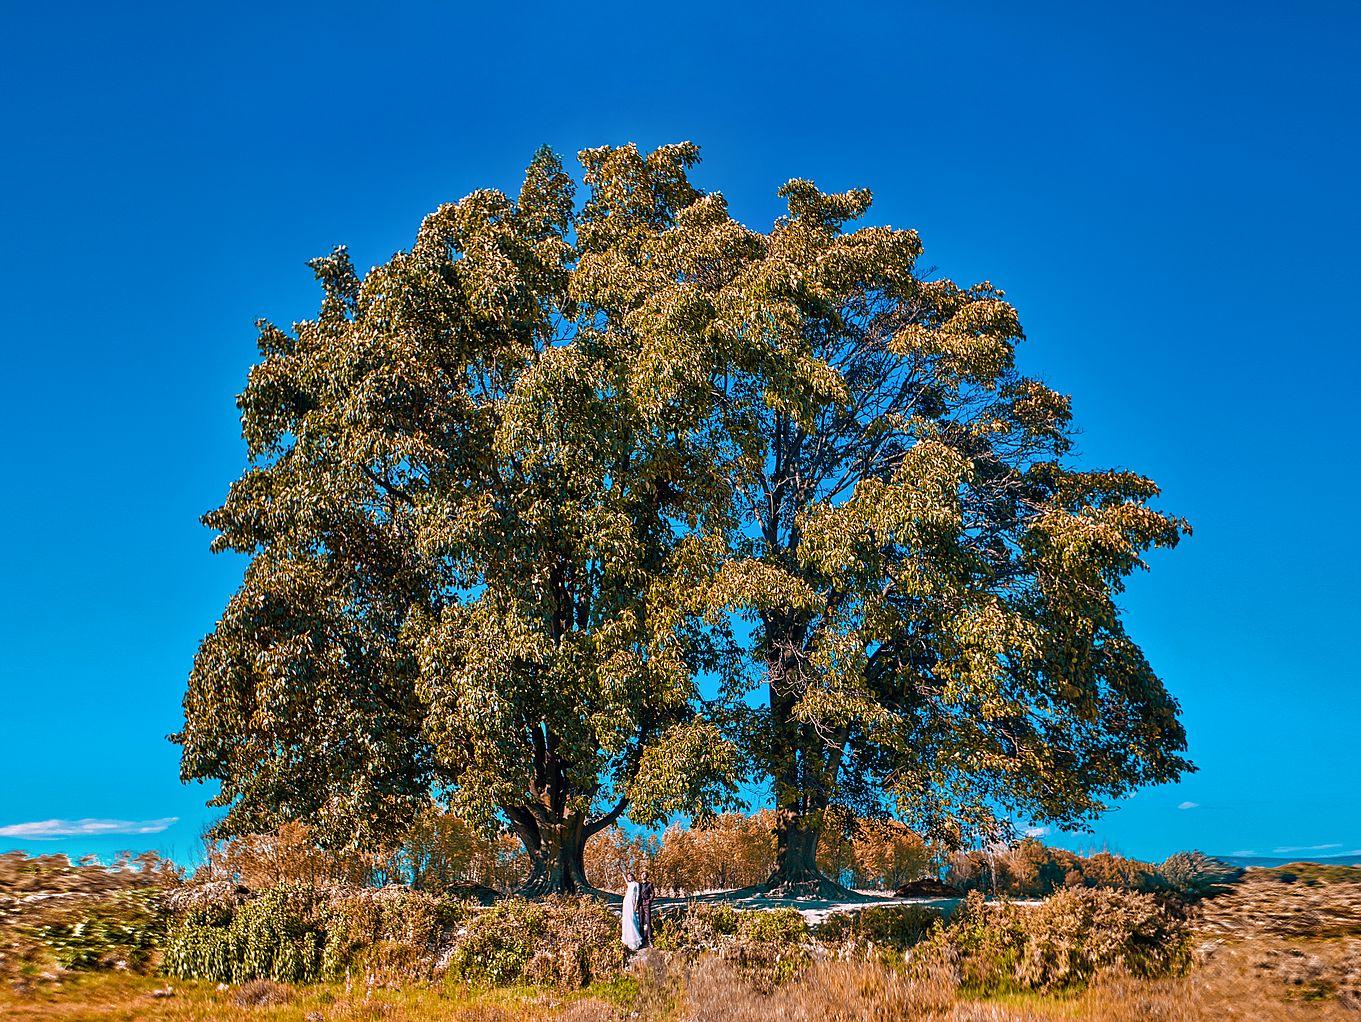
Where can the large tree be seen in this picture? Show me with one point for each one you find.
(482, 488)
(506, 491)
(930, 581)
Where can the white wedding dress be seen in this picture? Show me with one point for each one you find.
(633, 939)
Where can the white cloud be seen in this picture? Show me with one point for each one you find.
(1189, 805)
(48, 830)
(1287, 849)
(1036, 831)
(1244, 853)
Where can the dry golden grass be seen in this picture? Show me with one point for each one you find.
(1267, 951)
(1228, 988)
(1228, 984)
(119, 997)
(1264, 904)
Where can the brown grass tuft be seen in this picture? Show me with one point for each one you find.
(261, 993)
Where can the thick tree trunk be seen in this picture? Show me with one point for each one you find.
(555, 862)
(796, 860)
(556, 846)
(556, 849)
(803, 770)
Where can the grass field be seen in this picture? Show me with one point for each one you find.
(1275, 946)
(112, 997)
(1229, 983)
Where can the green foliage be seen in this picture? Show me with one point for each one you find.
(1195, 874)
(560, 942)
(1063, 942)
(483, 485)
(881, 932)
(389, 934)
(277, 936)
(82, 915)
(770, 945)
(932, 582)
(509, 490)
(126, 927)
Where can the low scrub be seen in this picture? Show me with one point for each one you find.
(560, 942)
(1278, 903)
(1066, 941)
(277, 936)
(55, 914)
(878, 933)
(769, 946)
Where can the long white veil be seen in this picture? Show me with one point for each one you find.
(632, 938)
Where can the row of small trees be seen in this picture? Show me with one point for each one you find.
(739, 851)
(444, 854)
(573, 511)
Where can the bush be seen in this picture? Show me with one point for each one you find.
(277, 936)
(561, 942)
(769, 946)
(1076, 934)
(122, 930)
(879, 932)
(1195, 874)
(54, 913)
(388, 934)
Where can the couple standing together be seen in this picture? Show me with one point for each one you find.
(637, 912)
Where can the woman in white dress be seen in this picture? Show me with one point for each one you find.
(632, 936)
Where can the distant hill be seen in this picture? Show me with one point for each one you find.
(1268, 861)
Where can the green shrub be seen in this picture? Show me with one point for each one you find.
(561, 942)
(277, 936)
(1077, 933)
(981, 947)
(392, 934)
(1195, 874)
(769, 945)
(123, 929)
(199, 952)
(696, 928)
(774, 944)
(881, 932)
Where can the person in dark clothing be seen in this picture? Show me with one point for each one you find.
(645, 909)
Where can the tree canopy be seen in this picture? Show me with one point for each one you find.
(930, 581)
(520, 496)
(479, 497)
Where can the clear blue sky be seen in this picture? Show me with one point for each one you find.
(1168, 194)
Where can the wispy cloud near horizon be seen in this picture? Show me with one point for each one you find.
(50, 830)
(1189, 805)
(1288, 849)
